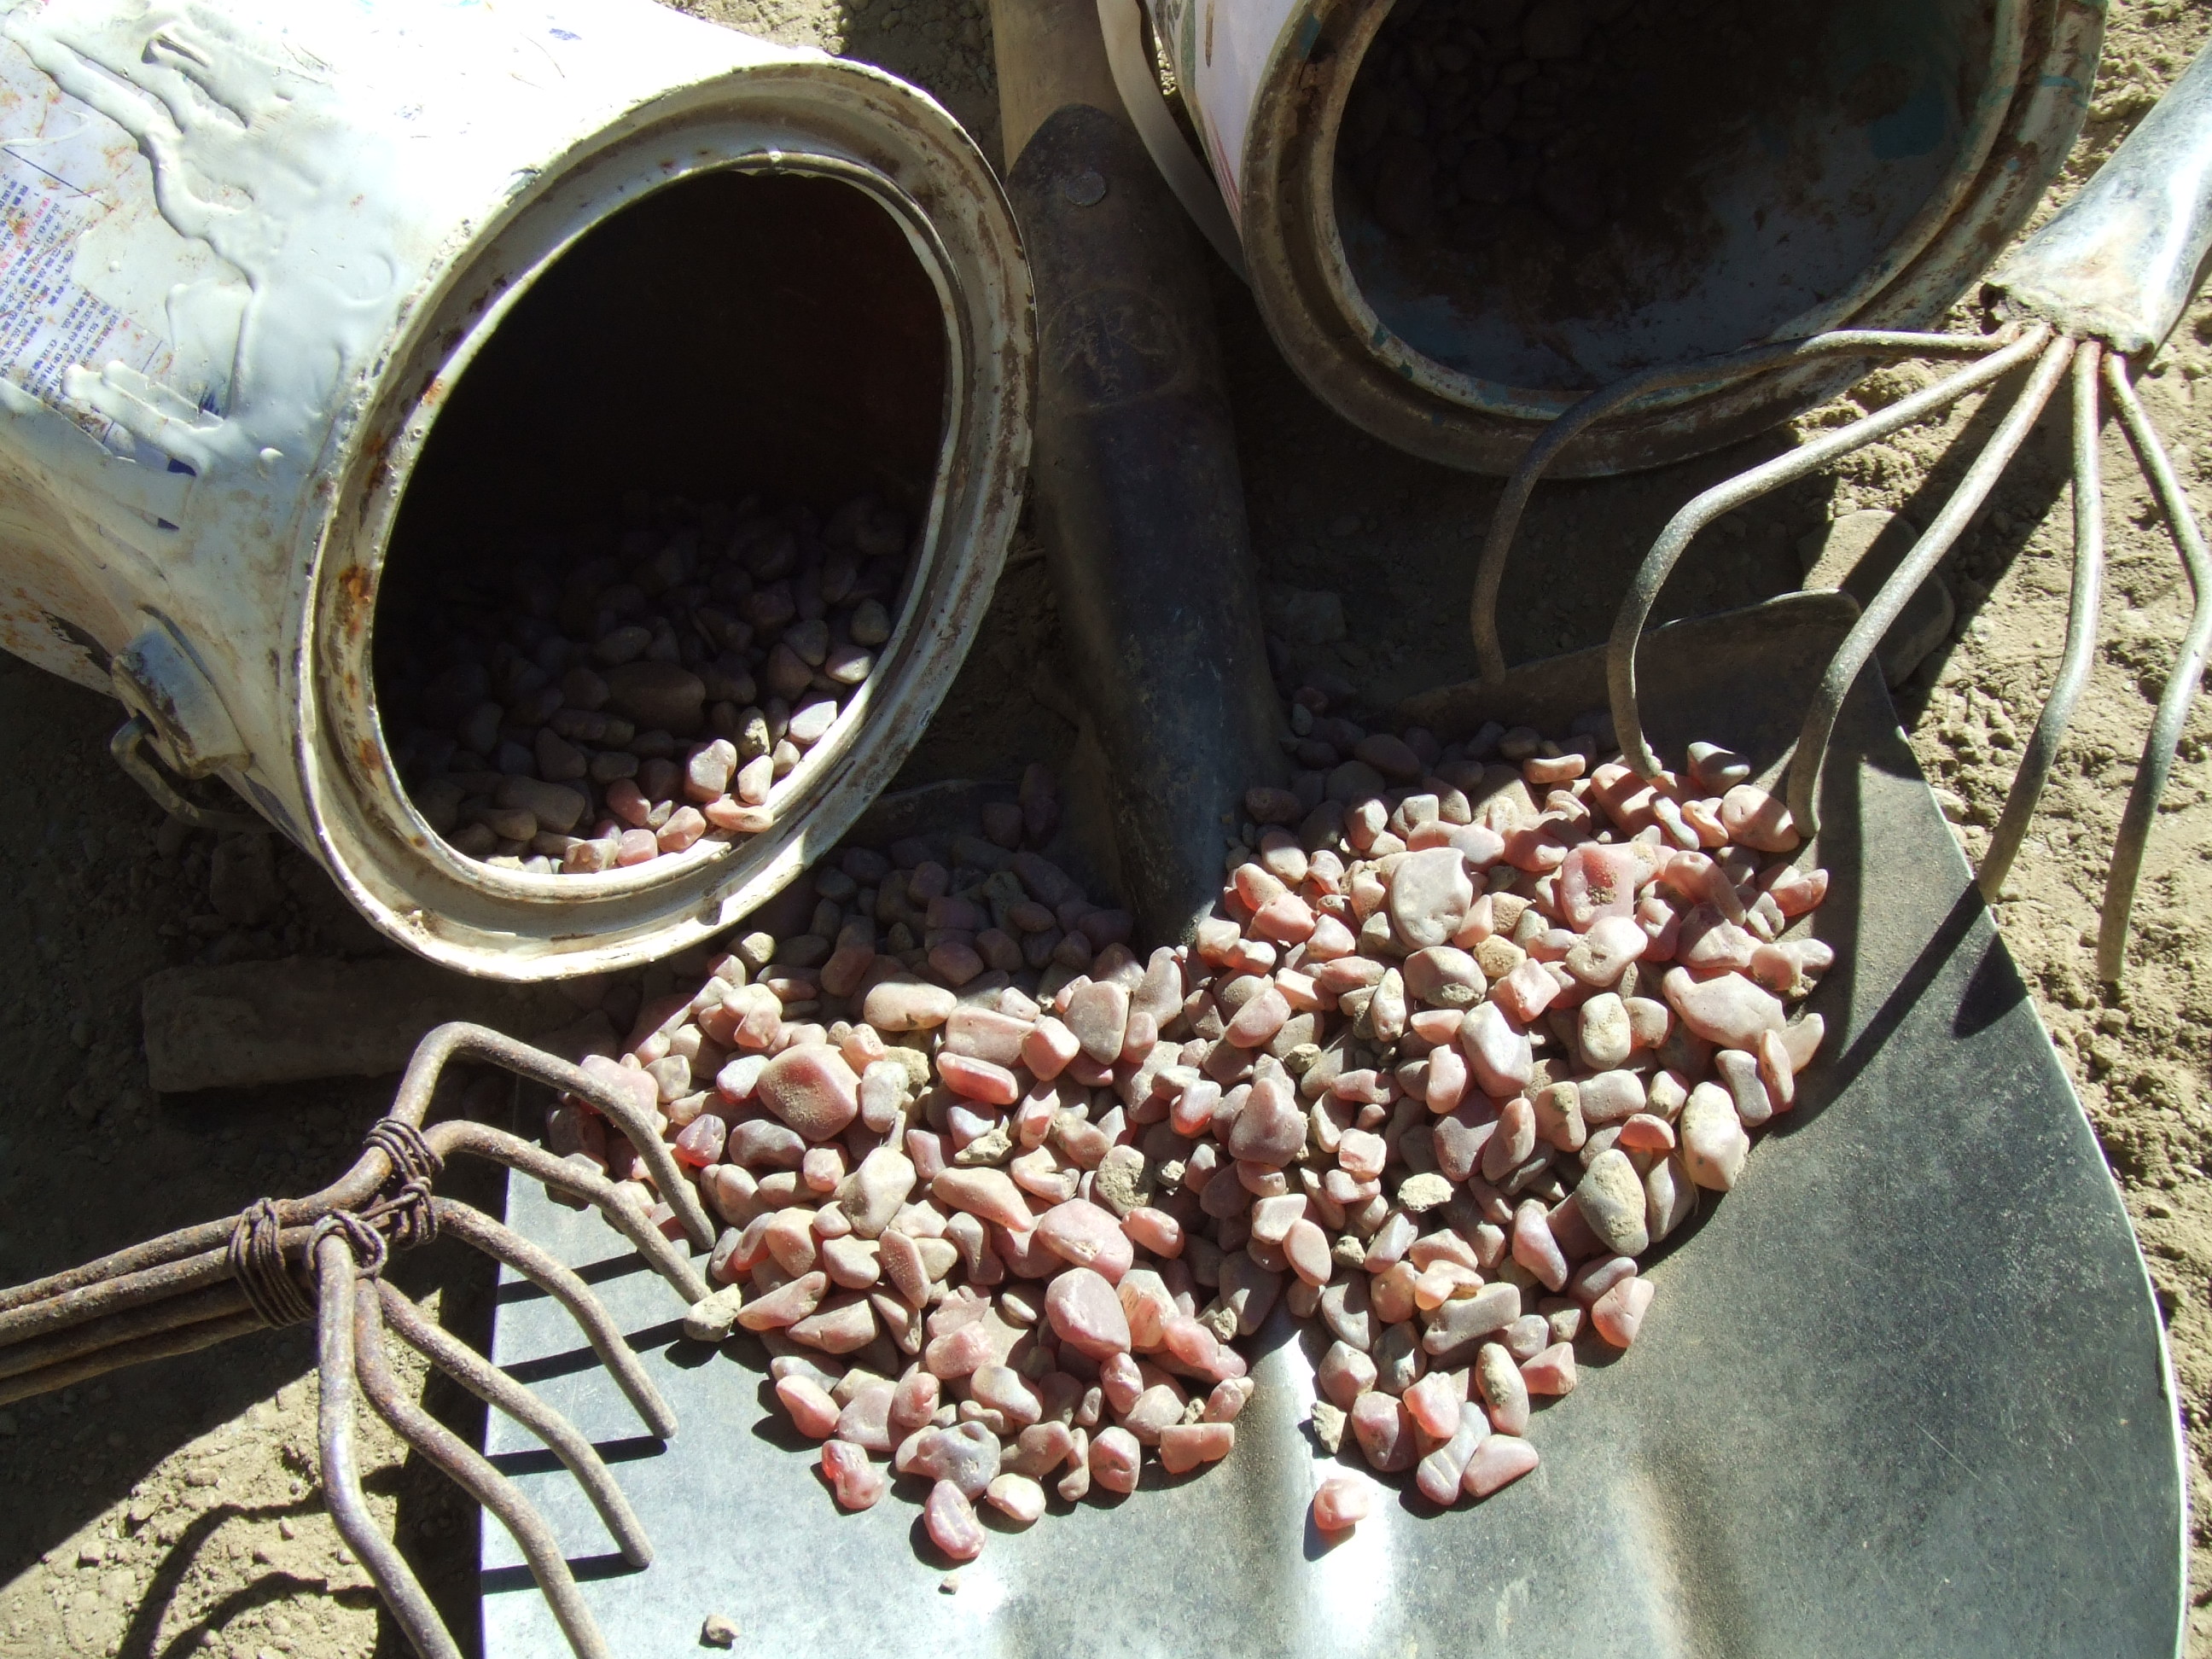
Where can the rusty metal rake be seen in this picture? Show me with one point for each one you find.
(2094, 291)
(283, 1262)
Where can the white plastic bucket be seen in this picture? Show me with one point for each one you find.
(1905, 141)
(259, 244)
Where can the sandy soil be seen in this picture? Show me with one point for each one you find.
(171, 1511)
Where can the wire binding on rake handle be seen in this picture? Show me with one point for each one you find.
(283, 1261)
(2052, 354)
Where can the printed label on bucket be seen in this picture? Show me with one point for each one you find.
(50, 323)
(69, 181)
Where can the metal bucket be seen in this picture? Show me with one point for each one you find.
(276, 262)
(1856, 164)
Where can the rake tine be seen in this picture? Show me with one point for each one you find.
(334, 1341)
(484, 1141)
(1843, 670)
(1725, 370)
(204, 1285)
(497, 1389)
(460, 1040)
(556, 1280)
(2157, 765)
(2080, 655)
(1667, 551)
(455, 1040)
(469, 1471)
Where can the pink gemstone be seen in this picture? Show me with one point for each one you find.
(1429, 894)
(951, 1522)
(1154, 1231)
(811, 1088)
(1595, 1277)
(1552, 1372)
(1116, 1459)
(857, 1482)
(1047, 1048)
(955, 962)
(958, 1353)
(1184, 1446)
(978, 1079)
(1497, 1461)
(989, 1193)
(1306, 1248)
(737, 815)
(1504, 1394)
(1017, 1496)
(1755, 818)
(1229, 1397)
(1259, 1019)
(914, 1403)
(1797, 891)
(1727, 1009)
(966, 1455)
(1285, 919)
(1435, 1402)
(636, 847)
(813, 1412)
(1098, 1014)
(1341, 1502)
(906, 1004)
(1603, 954)
(787, 1304)
(865, 1420)
(1477, 844)
(1777, 1070)
(1360, 1154)
(1255, 885)
(1515, 1141)
(1086, 1314)
(1597, 879)
(1384, 1431)
(1441, 1471)
(1619, 1313)
(1272, 1127)
(1802, 1040)
(1527, 991)
(1087, 1235)
(1447, 1080)
(1533, 1246)
(1646, 1132)
(684, 827)
(701, 1141)
(822, 1168)
(1123, 1380)
(1497, 1050)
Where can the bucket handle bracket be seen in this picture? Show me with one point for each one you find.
(130, 747)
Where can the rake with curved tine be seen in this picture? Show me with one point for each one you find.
(283, 1261)
(2095, 291)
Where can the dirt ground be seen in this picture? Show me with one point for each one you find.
(171, 1511)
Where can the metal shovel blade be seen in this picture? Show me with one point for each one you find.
(1904, 1391)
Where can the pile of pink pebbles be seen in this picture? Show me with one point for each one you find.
(1471, 1028)
(1468, 1031)
(647, 688)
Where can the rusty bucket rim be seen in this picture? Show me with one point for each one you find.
(394, 868)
